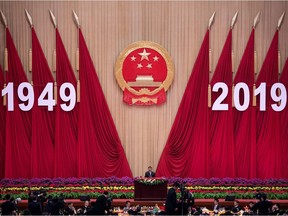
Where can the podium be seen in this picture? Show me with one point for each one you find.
(145, 189)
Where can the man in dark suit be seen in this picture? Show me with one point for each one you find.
(236, 207)
(100, 206)
(35, 207)
(149, 173)
(216, 206)
(171, 201)
(263, 206)
(7, 207)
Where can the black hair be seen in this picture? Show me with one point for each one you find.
(7, 197)
(176, 184)
(106, 193)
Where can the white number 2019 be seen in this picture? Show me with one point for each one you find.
(278, 94)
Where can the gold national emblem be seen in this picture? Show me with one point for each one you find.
(144, 71)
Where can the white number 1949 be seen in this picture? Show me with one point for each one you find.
(25, 94)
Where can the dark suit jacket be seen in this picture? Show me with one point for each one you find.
(171, 202)
(35, 208)
(99, 207)
(263, 207)
(7, 208)
(147, 174)
(216, 208)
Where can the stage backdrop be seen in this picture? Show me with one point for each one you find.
(178, 26)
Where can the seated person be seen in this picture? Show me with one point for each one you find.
(149, 173)
(275, 210)
(236, 207)
(216, 206)
(127, 206)
(85, 208)
(69, 209)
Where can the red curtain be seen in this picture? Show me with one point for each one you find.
(221, 122)
(188, 138)
(268, 135)
(100, 150)
(2, 128)
(284, 125)
(245, 121)
(18, 122)
(43, 121)
(66, 123)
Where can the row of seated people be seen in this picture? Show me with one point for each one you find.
(262, 207)
(58, 206)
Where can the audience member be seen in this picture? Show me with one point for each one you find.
(35, 207)
(7, 207)
(171, 201)
(263, 206)
(236, 208)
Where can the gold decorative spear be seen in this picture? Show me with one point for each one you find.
(234, 19)
(29, 20)
(53, 20)
(76, 21)
(256, 21)
(211, 21)
(280, 21)
(4, 22)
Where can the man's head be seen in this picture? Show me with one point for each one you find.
(263, 197)
(7, 197)
(275, 207)
(251, 204)
(106, 193)
(176, 185)
(216, 201)
(236, 203)
(150, 168)
(86, 203)
(70, 205)
(128, 204)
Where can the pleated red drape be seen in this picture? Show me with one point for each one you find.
(18, 122)
(221, 122)
(284, 125)
(43, 121)
(245, 121)
(66, 123)
(2, 128)
(100, 150)
(186, 153)
(268, 133)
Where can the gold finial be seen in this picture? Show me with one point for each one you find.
(3, 19)
(234, 19)
(53, 19)
(256, 20)
(76, 19)
(29, 19)
(211, 20)
(280, 21)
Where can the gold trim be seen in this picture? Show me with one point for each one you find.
(144, 100)
(144, 44)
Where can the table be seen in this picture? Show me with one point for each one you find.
(146, 191)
